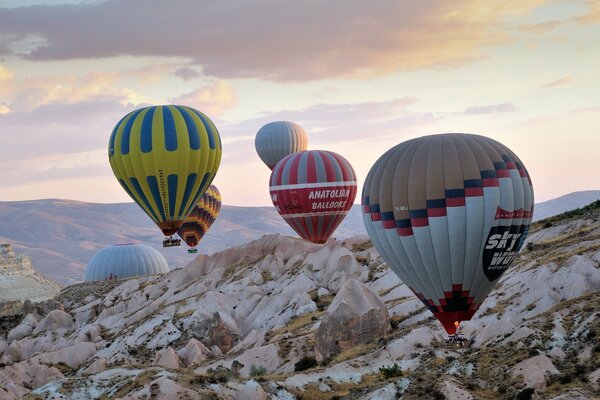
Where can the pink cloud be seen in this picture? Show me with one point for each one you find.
(213, 100)
(558, 82)
(491, 109)
(273, 40)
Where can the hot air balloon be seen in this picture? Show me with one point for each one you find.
(278, 139)
(125, 261)
(201, 218)
(165, 157)
(313, 191)
(448, 213)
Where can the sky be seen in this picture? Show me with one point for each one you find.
(358, 76)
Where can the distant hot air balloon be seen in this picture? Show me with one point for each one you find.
(278, 139)
(448, 213)
(313, 191)
(165, 157)
(125, 261)
(201, 218)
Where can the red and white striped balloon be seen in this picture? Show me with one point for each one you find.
(313, 191)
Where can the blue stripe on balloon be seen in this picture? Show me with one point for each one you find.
(146, 134)
(403, 223)
(141, 195)
(189, 184)
(208, 127)
(170, 129)
(473, 183)
(455, 193)
(203, 186)
(172, 183)
(488, 173)
(436, 203)
(192, 128)
(111, 141)
(387, 215)
(153, 183)
(127, 131)
(421, 213)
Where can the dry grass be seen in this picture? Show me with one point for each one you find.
(354, 352)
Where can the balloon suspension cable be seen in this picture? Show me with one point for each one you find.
(171, 241)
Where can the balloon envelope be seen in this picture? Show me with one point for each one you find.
(313, 191)
(165, 157)
(448, 213)
(201, 217)
(125, 261)
(278, 139)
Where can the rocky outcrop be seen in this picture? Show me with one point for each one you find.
(356, 316)
(19, 282)
(534, 371)
(216, 332)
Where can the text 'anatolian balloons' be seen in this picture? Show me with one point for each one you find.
(448, 213)
(165, 157)
(201, 217)
(313, 191)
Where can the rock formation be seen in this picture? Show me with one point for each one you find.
(19, 282)
(356, 316)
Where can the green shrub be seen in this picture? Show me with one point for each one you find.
(392, 371)
(257, 371)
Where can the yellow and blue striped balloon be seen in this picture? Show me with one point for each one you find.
(165, 157)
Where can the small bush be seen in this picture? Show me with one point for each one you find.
(305, 363)
(257, 371)
(392, 371)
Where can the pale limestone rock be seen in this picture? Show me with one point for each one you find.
(251, 391)
(164, 388)
(19, 332)
(97, 366)
(534, 371)
(73, 356)
(167, 358)
(454, 392)
(55, 321)
(356, 316)
(193, 352)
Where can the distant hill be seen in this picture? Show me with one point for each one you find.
(564, 203)
(60, 236)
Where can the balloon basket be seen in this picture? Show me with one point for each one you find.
(192, 251)
(457, 341)
(171, 242)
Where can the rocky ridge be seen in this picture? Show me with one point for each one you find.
(244, 323)
(20, 282)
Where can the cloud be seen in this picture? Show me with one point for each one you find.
(187, 73)
(40, 90)
(212, 100)
(491, 109)
(558, 82)
(333, 125)
(274, 40)
(4, 109)
(593, 15)
(59, 129)
(542, 27)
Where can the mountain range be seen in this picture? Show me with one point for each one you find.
(61, 236)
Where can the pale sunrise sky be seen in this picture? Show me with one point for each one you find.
(359, 76)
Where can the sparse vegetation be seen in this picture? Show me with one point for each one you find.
(256, 371)
(305, 363)
(392, 371)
